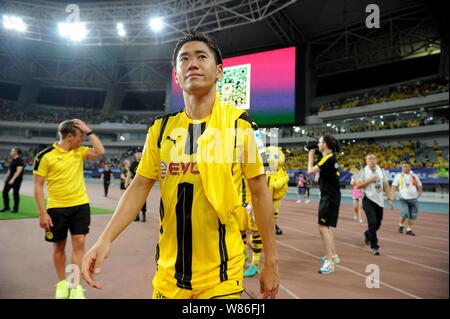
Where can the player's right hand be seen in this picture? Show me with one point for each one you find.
(92, 262)
(45, 221)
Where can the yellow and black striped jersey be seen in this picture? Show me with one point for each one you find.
(195, 250)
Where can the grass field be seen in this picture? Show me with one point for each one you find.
(28, 209)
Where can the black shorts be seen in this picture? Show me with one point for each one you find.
(77, 219)
(122, 185)
(329, 211)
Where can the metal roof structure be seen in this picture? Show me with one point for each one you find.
(334, 32)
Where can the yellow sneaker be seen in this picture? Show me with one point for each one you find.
(62, 290)
(77, 293)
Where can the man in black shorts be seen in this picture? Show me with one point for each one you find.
(330, 196)
(61, 165)
(13, 180)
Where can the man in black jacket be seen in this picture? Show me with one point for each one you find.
(13, 180)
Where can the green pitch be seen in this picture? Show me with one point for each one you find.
(28, 209)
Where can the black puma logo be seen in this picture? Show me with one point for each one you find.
(173, 140)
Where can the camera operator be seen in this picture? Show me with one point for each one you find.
(330, 198)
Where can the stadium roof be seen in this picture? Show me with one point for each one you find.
(335, 31)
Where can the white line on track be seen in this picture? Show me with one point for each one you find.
(355, 246)
(351, 271)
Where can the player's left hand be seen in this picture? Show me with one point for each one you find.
(11, 182)
(269, 281)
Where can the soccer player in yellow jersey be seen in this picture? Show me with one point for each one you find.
(61, 165)
(200, 250)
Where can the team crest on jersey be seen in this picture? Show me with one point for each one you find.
(163, 169)
(336, 165)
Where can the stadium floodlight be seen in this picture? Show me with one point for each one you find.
(14, 23)
(156, 24)
(121, 30)
(72, 31)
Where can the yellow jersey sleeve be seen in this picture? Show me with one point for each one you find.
(83, 150)
(149, 164)
(41, 166)
(253, 150)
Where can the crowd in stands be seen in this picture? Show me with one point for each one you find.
(9, 111)
(351, 156)
(376, 123)
(393, 93)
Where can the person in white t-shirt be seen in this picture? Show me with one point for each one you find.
(375, 182)
(410, 189)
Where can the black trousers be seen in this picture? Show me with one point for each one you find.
(106, 187)
(143, 210)
(6, 189)
(374, 214)
(307, 191)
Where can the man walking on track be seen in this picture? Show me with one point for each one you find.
(410, 189)
(61, 165)
(199, 156)
(374, 181)
(130, 176)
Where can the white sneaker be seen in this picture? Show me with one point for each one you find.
(298, 201)
(327, 268)
(307, 201)
(355, 218)
(361, 221)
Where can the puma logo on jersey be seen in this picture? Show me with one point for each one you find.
(323, 220)
(174, 140)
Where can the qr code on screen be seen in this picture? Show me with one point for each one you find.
(234, 86)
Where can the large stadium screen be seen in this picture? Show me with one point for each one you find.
(261, 83)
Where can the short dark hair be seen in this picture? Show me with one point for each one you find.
(332, 143)
(18, 150)
(67, 127)
(198, 36)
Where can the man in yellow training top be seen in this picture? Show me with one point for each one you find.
(199, 157)
(61, 165)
